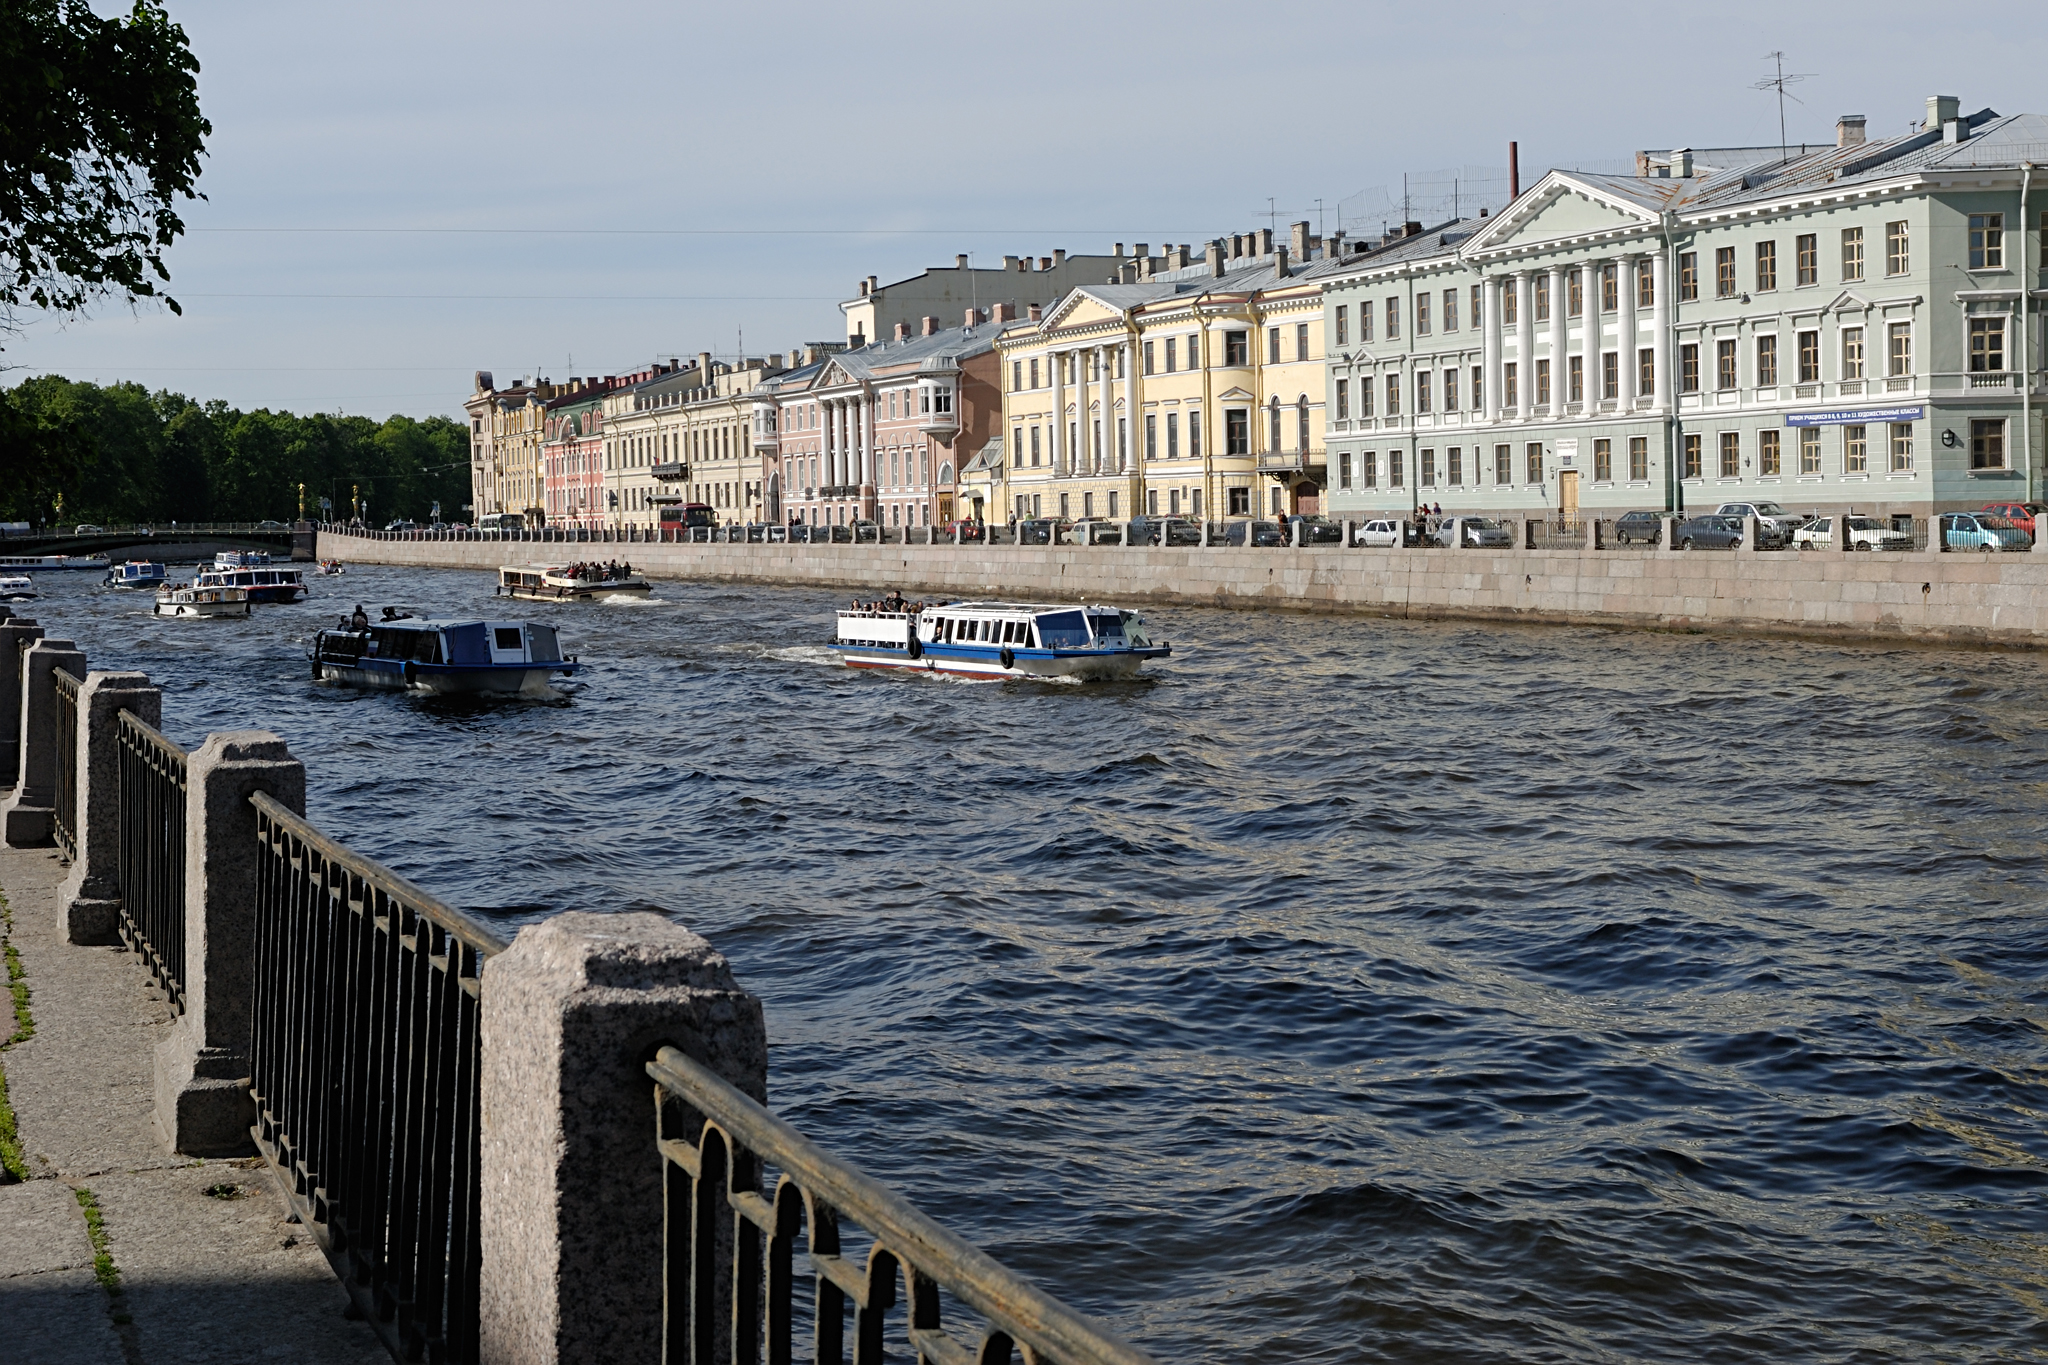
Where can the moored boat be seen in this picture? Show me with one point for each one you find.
(442, 656)
(999, 639)
(202, 602)
(329, 568)
(16, 587)
(17, 563)
(263, 581)
(571, 582)
(136, 573)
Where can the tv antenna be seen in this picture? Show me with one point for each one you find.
(1778, 83)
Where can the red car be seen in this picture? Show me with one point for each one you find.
(969, 530)
(2020, 514)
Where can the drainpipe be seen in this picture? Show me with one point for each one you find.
(1674, 430)
(2026, 356)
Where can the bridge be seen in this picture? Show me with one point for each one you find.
(173, 542)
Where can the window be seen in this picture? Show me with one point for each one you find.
(1806, 257)
(1422, 394)
(1151, 436)
(1769, 448)
(1987, 241)
(1148, 358)
(1902, 447)
(1767, 362)
(1172, 346)
(1343, 471)
(1237, 348)
(1603, 460)
(1479, 290)
(1510, 301)
(1646, 371)
(1240, 501)
(1809, 357)
(1899, 349)
(1731, 455)
(1478, 377)
(1809, 450)
(1343, 324)
(1016, 451)
(1237, 431)
(1724, 272)
(1365, 322)
(1503, 464)
(1301, 424)
(1692, 455)
(1575, 377)
(1393, 319)
(1534, 460)
(1766, 267)
(1852, 253)
(1369, 469)
(1575, 292)
(1454, 466)
(1610, 288)
(1395, 472)
(1852, 353)
(1724, 364)
(1422, 314)
(1638, 459)
(1855, 450)
(1610, 375)
(1542, 286)
(1897, 258)
(1450, 310)
(1688, 276)
(1987, 443)
(1507, 384)
(1542, 382)
(1034, 447)
(1987, 345)
(1364, 397)
(1428, 468)
(1450, 390)
(1195, 435)
(1087, 504)
(1272, 345)
(1393, 395)
(1273, 423)
(1016, 375)
(1646, 286)
(1343, 400)
(1173, 436)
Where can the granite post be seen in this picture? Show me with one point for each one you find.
(16, 634)
(27, 814)
(203, 1106)
(2040, 535)
(1668, 538)
(1749, 533)
(1844, 541)
(1529, 525)
(570, 1224)
(1593, 539)
(89, 901)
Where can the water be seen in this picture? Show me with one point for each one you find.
(1347, 989)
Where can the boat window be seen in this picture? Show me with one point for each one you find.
(1135, 631)
(426, 648)
(546, 649)
(507, 637)
(1063, 630)
(1107, 625)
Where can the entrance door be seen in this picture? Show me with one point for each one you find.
(1568, 494)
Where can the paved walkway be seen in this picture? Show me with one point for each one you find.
(208, 1266)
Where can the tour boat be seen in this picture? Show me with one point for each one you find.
(263, 584)
(136, 573)
(329, 568)
(16, 587)
(202, 602)
(401, 653)
(16, 563)
(240, 559)
(1000, 640)
(571, 582)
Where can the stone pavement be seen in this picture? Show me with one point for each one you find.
(208, 1266)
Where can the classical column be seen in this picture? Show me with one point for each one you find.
(1130, 453)
(1560, 368)
(1625, 328)
(1057, 444)
(1525, 345)
(1489, 348)
(1105, 439)
(1660, 326)
(867, 440)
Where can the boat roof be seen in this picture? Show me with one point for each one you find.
(439, 623)
(1021, 606)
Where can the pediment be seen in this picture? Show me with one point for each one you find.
(1848, 301)
(1559, 208)
(1079, 308)
(1234, 394)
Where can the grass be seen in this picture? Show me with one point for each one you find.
(103, 1268)
(12, 1165)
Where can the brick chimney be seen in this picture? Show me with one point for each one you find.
(1849, 130)
(1297, 234)
(974, 318)
(960, 262)
(1280, 263)
(931, 325)
(1215, 257)
(903, 331)
(1265, 241)
(1940, 109)
(1035, 313)
(1059, 257)
(1004, 312)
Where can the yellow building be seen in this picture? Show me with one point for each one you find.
(1188, 389)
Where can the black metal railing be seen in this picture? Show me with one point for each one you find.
(364, 1063)
(66, 811)
(723, 1233)
(153, 853)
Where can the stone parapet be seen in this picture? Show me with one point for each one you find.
(26, 813)
(89, 901)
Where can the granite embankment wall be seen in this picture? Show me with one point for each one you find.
(1938, 598)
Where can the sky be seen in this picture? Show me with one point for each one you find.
(402, 192)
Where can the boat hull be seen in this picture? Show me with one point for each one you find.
(195, 610)
(1090, 665)
(596, 592)
(498, 680)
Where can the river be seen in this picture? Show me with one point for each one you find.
(1345, 989)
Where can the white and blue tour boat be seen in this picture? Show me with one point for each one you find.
(254, 573)
(49, 563)
(999, 640)
(136, 573)
(16, 587)
(571, 582)
(510, 658)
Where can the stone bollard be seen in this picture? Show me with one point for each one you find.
(1349, 533)
(1750, 526)
(572, 1200)
(1593, 540)
(203, 1107)
(1667, 537)
(26, 815)
(1844, 542)
(17, 633)
(1457, 533)
(1529, 525)
(89, 901)
(2040, 534)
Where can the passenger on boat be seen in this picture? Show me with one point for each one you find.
(359, 621)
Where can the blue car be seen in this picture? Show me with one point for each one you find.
(1976, 531)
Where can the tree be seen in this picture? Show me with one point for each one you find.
(100, 137)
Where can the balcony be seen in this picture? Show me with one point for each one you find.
(1280, 462)
(766, 441)
(675, 471)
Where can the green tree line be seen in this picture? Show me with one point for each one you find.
(119, 453)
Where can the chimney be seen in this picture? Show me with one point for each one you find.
(1411, 228)
(673, 363)
(703, 367)
(974, 318)
(1940, 109)
(1059, 257)
(1036, 313)
(1215, 257)
(1298, 235)
(1004, 312)
(1236, 245)
(483, 381)
(931, 325)
(1514, 172)
(1336, 247)
(1280, 263)
(775, 360)
(903, 331)
(1119, 251)
(863, 287)
(1045, 262)
(1142, 251)
(1265, 242)
(1955, 130)
(960, 262)
(1681, 162)
(1849, 130)
(1009, 263)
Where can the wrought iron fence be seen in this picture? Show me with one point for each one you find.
(723, 1233)
(364, 1063)
(66, 816)
(153, 853)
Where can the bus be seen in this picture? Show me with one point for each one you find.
(686, 515)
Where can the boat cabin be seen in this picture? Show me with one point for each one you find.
(997, 623)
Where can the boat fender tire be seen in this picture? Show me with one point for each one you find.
(408, 671)
(1009, 659)
(916, 647)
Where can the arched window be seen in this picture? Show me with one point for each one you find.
(946, 472)
(1301, 423)
(1274, 410)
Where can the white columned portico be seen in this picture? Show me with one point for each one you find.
(1560, 367)
(1058, 361)
(868, 477)
(1660, 325)
(1525, 345)
(1098, 357)
(1489, 391)
(1589, 339)
(1625, 330)
(1132, 437)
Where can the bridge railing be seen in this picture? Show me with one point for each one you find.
(152, 857)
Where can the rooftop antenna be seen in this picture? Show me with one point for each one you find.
(1319, 219)
(1778, 83)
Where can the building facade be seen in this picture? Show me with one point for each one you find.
(572, 457)
(878, 309)
(1847, 328)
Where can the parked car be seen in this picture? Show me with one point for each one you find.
(1710, 532)
(272, 526)
(1381, 533)
(1865, 533)
(1315, 530)
(1767, 513)
(776, 534)
(1264, 533)
(1481, 533)
(1981, 531)
(867, 530)
(2020, 514)
(86, 528)
(1043, 531)
(1095, 531)
(401, 526)
(969, 530)
(1165, 531)
(1646, 528)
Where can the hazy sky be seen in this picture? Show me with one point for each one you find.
(399, 194)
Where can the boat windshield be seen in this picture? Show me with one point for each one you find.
(1109, 625)
(1063, 630)
(1135, 632)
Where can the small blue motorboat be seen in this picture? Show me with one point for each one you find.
(136, 573)
(401, 653)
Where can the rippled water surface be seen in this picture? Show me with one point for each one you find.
(1347, 989)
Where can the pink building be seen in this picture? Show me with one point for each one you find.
(572, 456)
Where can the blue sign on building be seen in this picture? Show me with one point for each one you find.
(1838, 417)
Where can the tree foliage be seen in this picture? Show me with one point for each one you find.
(100, 137)
(124, 454)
